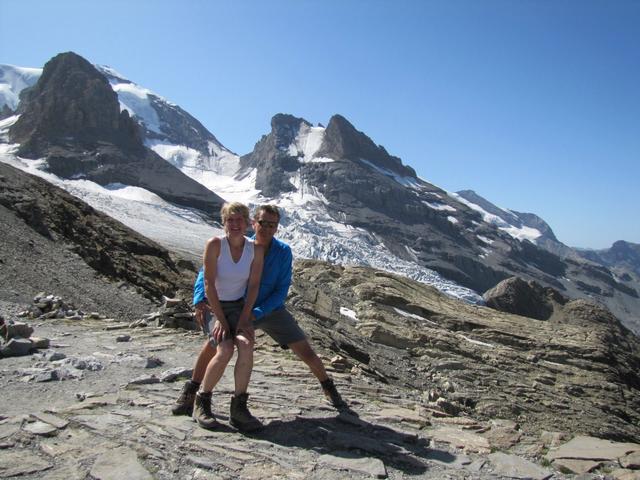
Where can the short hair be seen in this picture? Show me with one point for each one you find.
(267, 208)
(231, 208)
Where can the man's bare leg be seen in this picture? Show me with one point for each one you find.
(207, 352)
(305, 353)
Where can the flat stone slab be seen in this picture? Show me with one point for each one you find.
(100, 423)
(340, 441)
(14, 463)
(465, 439)
(117, 464)
(51, 419)
(624, 474)
(512, 466)
(576, 466)
(348, 461)
(173, 374)
(631, 461)
(446, 459)
(591, 448)
(402, 415)
(40, 428)
(8, 429)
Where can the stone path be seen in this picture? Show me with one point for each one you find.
(110, 419)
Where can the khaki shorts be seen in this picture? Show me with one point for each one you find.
(281, 326)
(232, 311)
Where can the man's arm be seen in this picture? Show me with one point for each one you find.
(279, 293)
(199, 299)
(198, 289)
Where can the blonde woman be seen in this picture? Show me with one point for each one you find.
(232, 270)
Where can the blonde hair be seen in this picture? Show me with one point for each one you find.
(231, 208)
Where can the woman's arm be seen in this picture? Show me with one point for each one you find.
(210, 262)
(244, 322)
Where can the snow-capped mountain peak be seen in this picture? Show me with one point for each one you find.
(172, 133)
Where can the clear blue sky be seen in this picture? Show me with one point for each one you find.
(533, 104)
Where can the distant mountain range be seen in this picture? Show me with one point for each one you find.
(347, 200)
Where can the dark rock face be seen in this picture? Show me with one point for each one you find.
(72, 117)
(343, 141)
(105, 244)
(271, 157)
(578, 371)
(72, 102)
(529, 299)
(5, 112)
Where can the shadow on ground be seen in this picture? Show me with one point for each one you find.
(346, 434)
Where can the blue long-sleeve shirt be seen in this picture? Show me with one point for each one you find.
(274, 283)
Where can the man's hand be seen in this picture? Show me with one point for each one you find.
(220, 331)
(201, 309)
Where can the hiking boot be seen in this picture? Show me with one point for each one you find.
(240, 416)
(202, 411)
(184, 403)
(330, 391)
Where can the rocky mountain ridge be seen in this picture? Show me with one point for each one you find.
(361, 185)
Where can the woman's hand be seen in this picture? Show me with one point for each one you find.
(220, 331)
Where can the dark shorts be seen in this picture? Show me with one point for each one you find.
(232, 311)
(281, 326)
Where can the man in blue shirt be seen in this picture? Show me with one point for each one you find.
(269, 314)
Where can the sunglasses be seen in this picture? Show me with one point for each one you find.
(267, 224)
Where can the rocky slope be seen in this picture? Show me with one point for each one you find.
(621, 261)
(52, 221)
(71, 117)
(577, 371)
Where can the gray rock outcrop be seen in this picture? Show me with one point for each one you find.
(577, 371)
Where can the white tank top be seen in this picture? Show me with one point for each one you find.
(232, 278)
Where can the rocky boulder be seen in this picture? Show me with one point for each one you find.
(529, 299)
